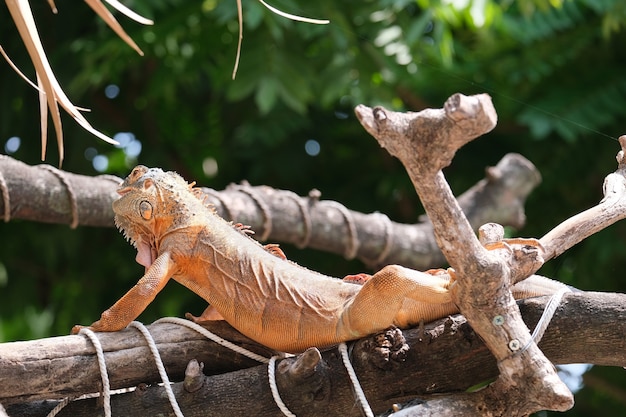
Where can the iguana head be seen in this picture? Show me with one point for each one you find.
(152, 203)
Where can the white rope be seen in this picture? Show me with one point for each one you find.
(271, 373)
(159, 363)
(64, 402)
(271, 370)
(546, 316)
(358, 391)
(213, 337)
(60, 406)
(360, 395)
(106, 386)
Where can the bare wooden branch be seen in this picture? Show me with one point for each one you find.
(61, 366)
(442, 358)
(463, 404)
(611, 209)
(46, 195)
(426, 142)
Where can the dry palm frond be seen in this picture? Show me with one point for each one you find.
(273, 10)
(110, 20)
(50, 92)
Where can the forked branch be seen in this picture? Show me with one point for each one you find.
(426, 142)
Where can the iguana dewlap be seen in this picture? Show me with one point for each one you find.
(269, 299)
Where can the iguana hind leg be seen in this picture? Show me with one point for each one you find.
(397, 296)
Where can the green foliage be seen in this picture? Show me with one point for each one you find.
(553, 67)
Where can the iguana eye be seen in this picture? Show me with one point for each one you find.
(145, 209)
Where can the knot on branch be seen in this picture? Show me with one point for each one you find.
(384, 350)
(305, 380)
(194, 378)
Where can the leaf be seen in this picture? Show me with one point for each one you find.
(240, 39)
(110, 20)
(50, 92)
(295, 17)
(129, 13)
(274, 10)
(23, 18)
(266, 94)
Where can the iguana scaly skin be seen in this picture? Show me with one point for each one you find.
(267, 298)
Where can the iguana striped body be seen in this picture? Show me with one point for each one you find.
(267, 298)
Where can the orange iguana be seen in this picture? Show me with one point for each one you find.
(267, 298)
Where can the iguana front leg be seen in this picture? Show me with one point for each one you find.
(134, 302)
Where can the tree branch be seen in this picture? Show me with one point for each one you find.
(426, 142)
(46, 195)
(611, 209)
(443, 357)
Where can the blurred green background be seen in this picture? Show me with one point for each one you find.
(555, 70)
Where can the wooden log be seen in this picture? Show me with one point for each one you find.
(43, 193)
(57, 367)
(443, 357)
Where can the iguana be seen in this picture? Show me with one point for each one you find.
(269, 299)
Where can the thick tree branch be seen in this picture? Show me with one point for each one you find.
(61, 366)
(46, 195)
(426, 142)
(443, 357)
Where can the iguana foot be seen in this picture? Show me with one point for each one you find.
(105, 324)
(440, 271)
(519, 241)
(77, 328)
(209, 314)
(95, 327)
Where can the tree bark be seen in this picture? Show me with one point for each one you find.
(426, 142)
(443, 357)
(46, 194)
